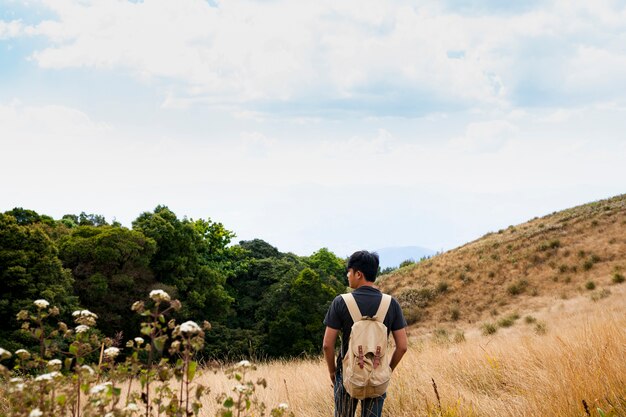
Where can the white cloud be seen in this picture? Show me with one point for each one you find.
(10, 29)
(245, 51)
(256, 144)
(249, 56)
(489, 136)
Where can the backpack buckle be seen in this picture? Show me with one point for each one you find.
(361, 361)
(377, 357)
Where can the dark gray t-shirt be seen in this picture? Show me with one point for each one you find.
(368, 299)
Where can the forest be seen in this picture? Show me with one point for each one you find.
(261, 303)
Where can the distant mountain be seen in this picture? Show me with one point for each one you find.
(393, 256)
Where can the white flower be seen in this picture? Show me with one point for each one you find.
(17, 387)
(85, 317)
(190, 327)
(54, 363)
(139, 340)
(243, 364)
(283, 406)
(88, 369)
(81, 328)
(47, 377)
(4, 354)
(97, 389)
(41, 304)
(22, 353)
(131, 407)
(111, 352)
(159, 295)
(35, 413)
(84, 313)
(109, 414)
(241, 388)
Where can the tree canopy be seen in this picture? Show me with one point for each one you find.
(260, 301)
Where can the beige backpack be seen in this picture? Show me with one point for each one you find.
(366, 371)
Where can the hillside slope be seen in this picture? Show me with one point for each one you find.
(517, 271)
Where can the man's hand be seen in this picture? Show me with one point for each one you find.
(328, 346)
(401, 339)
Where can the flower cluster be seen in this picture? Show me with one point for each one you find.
(190, 328)
(53, 393)
(84, 317)
(159, 295)
(111, 352)
(4, 354)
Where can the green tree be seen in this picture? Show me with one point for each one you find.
(29, 269)
(186, 258)
(294, 315)
(330, 267)
(111, 269)
(25, 217)
(260, 249)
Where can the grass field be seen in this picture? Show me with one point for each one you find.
(516, 372)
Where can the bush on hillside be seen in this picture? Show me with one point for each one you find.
(518, 287)
(617, 278)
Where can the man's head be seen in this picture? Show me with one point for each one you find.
(364, 262)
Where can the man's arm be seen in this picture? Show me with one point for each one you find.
(330, 337)
(399, 336)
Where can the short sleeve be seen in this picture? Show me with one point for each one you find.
(333, 316)
(398, 321)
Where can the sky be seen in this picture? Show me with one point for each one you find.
(350, 125)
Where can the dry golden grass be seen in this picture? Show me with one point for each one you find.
(513, 373)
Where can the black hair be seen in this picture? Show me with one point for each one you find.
(365, 262)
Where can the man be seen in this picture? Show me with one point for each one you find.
(362, 270)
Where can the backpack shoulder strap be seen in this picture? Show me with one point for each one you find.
(385, 302)
(353, 308)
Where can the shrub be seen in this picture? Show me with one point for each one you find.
(489, 328)
(598, 295)
(508, 321)
(541, 327)
(590, 285)
(518, 287)
(459, 337)
(440, 335)
(588, 265)
(553, 244)
(413, 315)
(465, 279)
(562, 268)
(416, 297)
(530, 319)
(455, 313)
(442, 287)
(617, 278)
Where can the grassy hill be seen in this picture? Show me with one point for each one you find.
(517, 271)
